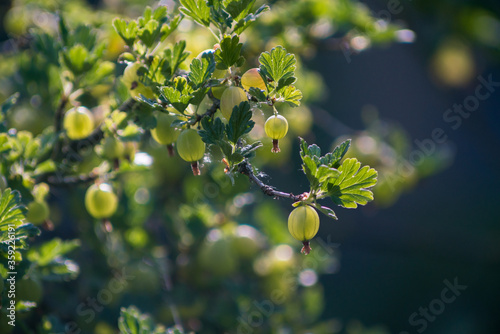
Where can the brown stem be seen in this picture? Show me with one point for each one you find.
(209, 113)
(245, 168)
(58, 180)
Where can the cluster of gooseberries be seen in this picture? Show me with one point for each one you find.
(189, 145)
(303, 222)
(101, 201)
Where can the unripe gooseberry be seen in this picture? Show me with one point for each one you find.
(218, 258)
(38, 212)
(276, 128)
(113, 148)
(217, 91)
(231, 97)
(141, 89)
(164, 133)
(78, 123)
(191, 148)
(303, 224)
(135, 87)
(252, 78)
(101, 201)
(130, 74)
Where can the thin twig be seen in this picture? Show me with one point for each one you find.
(58, 119)
(245, 168)
(209, 113)
(58, 181)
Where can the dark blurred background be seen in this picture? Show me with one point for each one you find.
(395, 258)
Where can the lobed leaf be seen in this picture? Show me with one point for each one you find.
(279, 66)
(240, 122)
(201, 70)
(229, 53)
(198, 10)
(352, 186)
(213, 130)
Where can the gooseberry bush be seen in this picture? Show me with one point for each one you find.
(201, 108)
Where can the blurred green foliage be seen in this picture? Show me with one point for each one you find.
(204, 254)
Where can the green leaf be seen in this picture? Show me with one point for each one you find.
(229, 53)
(176, 56)
(167, 29)
(48, 166)
(240, 122)
(213, 130)
(291, 95)
(63, 29)
(198, 10)
(132, 321)
(310, 169)
(78, 59)
(127, 31)
(219, 17)
(325, 210)
(248, 150)
(325, 173)
(238, 9)
(12, 228)
(339, 152)
(260, 95)
(201, 70)
(198, 95)
(179, 95)
(84, 35)
(48, 46)
(51, 250)
(245, 22)
(352, 186)
(278, 66)
(149, 33)
(160, 14)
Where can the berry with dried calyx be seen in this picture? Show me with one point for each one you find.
(191, 148)
(303, 224)
(276, 128)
